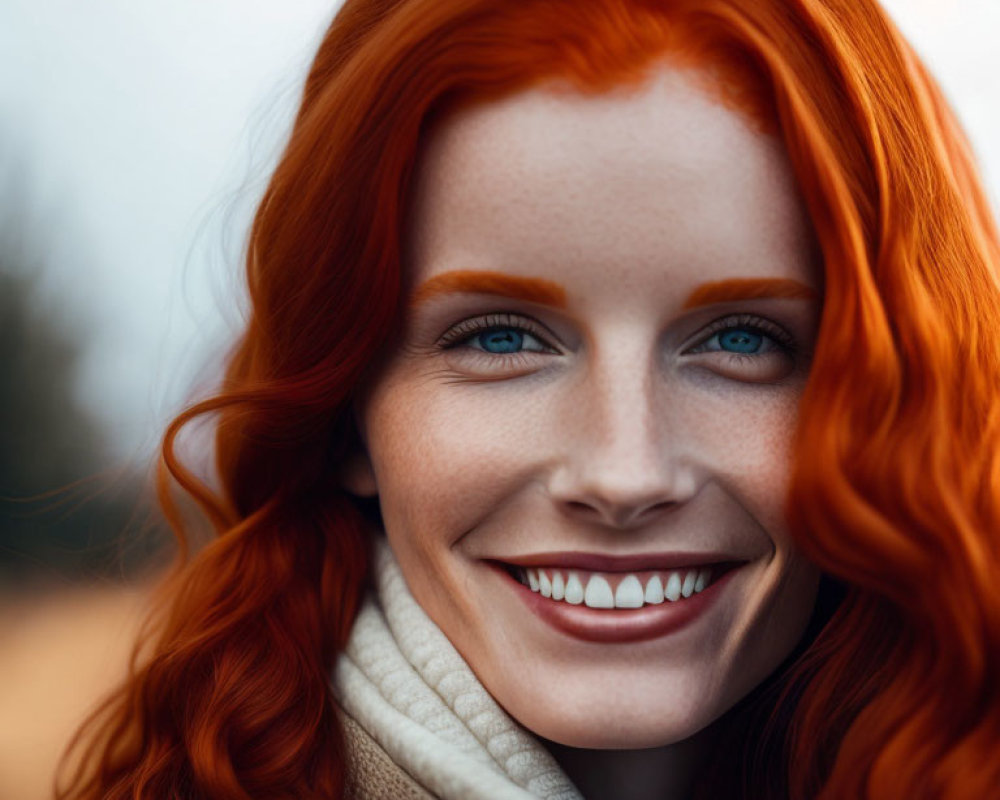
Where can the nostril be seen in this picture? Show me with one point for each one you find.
(619, 515)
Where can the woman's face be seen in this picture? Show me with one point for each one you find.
(613, 303)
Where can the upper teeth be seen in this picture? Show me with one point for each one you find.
(596, 589)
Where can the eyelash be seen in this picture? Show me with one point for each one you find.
(463, 332)
(749, 322)
(467, 329)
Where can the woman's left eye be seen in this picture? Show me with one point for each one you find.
(748, 348)
(738, 340)
(745, 335)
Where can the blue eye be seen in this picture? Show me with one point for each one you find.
(501, 334)
(740, 340)
(506, 340)
(746, 337)
(497, 346)
(500, 340)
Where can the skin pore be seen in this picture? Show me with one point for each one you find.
(614, 302)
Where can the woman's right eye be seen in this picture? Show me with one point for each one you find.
(496, 334)
(497, 346)
(503, 341)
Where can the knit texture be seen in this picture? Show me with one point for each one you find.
(406, 685)
(372, 775)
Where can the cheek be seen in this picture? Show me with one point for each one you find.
(443, 466)
(442, 463)
(751, 452)
(744, 440)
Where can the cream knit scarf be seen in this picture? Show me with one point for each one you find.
(407, 686)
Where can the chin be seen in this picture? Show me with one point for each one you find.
(597, 733)
(596, 719)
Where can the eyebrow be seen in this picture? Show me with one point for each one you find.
(550, 293)
(533, 290)
(749, 289)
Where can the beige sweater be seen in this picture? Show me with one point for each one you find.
(373, 774)
(418, 723)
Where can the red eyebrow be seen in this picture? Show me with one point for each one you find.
(533, 290)
(749, 289)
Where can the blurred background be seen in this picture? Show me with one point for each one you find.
(135, 139)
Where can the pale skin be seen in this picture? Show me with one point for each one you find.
(589, 400)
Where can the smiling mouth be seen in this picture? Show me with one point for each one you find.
(619, 590)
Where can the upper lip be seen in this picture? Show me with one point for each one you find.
(603, 562)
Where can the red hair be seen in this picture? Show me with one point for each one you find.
(894, 491)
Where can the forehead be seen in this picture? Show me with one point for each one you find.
(659, 175)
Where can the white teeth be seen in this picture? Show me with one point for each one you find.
(574, 589)
(629, 593)
(672, 591)
(558, 590)
(654, 591)
(598, 593)
(688, 588)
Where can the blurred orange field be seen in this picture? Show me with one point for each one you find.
(60, 652)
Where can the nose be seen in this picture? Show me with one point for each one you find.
(623, 461)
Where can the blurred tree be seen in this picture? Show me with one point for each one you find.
(63, 514)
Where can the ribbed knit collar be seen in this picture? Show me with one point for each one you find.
(406, 685)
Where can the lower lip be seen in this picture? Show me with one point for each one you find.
(621, 624)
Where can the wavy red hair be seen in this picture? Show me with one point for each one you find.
(896, 470)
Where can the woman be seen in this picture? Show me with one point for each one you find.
(644, 349)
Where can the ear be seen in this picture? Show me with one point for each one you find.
(357, 474)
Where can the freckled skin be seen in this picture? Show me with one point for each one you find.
(621, 433)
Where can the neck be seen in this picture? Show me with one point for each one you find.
(669, 772)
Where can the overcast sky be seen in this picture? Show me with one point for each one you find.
(136, 136)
